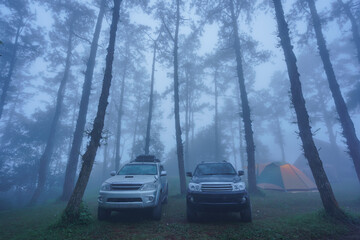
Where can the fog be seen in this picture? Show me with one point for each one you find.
(45, 50)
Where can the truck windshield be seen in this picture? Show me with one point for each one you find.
(214, 169)
(138, 169)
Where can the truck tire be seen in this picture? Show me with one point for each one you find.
(103, 214)
(245, 213)
(191, 214)
(156, 212)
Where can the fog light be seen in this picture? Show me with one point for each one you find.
(100, 199)
(151, 198)
(243, 200)
(191, 199)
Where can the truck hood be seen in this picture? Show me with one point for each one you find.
(118, 179)
(215, 178)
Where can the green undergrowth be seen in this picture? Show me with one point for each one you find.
(276, 215)
(67, 219)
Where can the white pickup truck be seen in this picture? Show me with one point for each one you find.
(141, 183)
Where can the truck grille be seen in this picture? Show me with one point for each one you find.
(216, 187)
(124, 200)
(125, 187)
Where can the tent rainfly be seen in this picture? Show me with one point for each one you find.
(283, 177)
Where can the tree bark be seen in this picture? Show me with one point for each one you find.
(7, 80)
(73, 160)
(45, 158)
(148, 126)
(354, 27)
(216, 119)
(347, 124)
(250, 146)
(310, 150)
(241, 147)
(72, 208)
(119, 122)
(187, 123)
(179, 143)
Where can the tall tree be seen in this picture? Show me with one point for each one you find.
(22, 42)
(130, 59)
(72, 209)
(169, 16)
(151, 101)
(179, 143)
(347, 124)
(345, 8)
(76, 16)
(311, 153)
(81, 120)
(227, 13)
(250, 146)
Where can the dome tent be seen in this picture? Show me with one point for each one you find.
(284, 177)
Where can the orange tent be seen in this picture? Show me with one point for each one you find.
(284, 177)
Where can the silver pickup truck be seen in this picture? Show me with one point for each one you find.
(141, 183)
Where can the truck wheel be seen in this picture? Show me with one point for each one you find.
(246, 212)
(191, 214)
(156, 212)
(103, 214)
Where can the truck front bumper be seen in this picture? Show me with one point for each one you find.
(127, 199)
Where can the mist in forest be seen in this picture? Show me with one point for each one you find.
(227, 97)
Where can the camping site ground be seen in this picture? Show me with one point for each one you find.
(276, 215)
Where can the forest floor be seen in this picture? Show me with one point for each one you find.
(276, 215)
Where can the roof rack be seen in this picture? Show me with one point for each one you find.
(146, 158)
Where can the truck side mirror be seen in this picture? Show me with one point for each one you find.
(189, 174)
(113, 173)
(241, 172)
(163, 173)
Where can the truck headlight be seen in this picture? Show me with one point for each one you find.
(105, 187)
(148, 187)
(239, 186)
(194, 187)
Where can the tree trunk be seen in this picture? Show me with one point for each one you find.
(138, 109)
(310, 150)
(73, 160)
(105, 162)
(119, 122)
(73, 206)
(241, 147)
(148, 126)
(179, 144)
(216, 118)
(354, 27)
(186, 159)
(44, 161)
(347, 124)
(250, 146)
(7, 79)
(280, 138)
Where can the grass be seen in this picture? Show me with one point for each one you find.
(277, 215)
